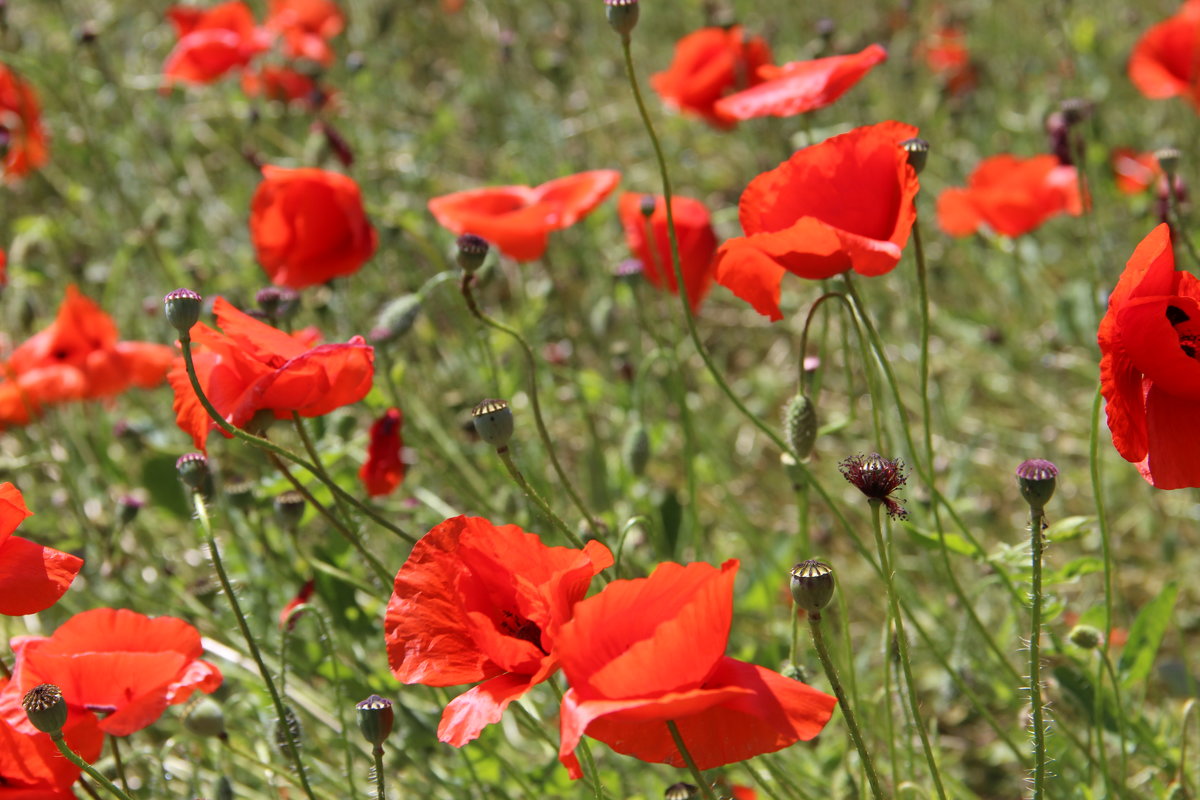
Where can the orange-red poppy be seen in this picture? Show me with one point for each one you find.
(32, 577)
(647, 651)
(307, 26)
(24, 141)
(518, 219)
(709, 64)
(383, 470)
(286, 617)
(1164, 61)
(249, 366)
(309, 226)
(1010, 195)
(845, 203)
(483, 602)
(1135, 172)
(212, 42)
(694, 231)
(945, 53)
(116, 662)
(285, 85)
(800, 86)
(31, 767)
(1149, 373)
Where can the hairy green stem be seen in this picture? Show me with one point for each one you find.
(380, 792)
(61, 743)
(1036, 543)
(527, 487)
(705, 786)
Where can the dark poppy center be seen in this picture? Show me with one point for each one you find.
(518, 627)
(1187, 331)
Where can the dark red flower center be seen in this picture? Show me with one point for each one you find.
(518, 627)
(1189, 334)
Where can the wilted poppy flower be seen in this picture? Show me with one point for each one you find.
(32, 577)
(31, 768)
(117, 662)
(22, 140)
(483, 602)
(845, 203)
(285, 85)
(212, 42)
(518, 219)
(249, 366)
(1010, 195)
(709, 64)
(1149, 375)
(646, 651)
(800, 86)
(1164, 61)
(383, 470)
(945, 53)
(697, 242)
(1135, 172)
(308, 226)
(307, 26)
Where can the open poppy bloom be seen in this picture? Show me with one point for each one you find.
(32, 577)
(483, 602)
(212, 42)
(285, 85)
(697, 242)
(800, 86)
(309, 226)
(24, 142)
(307, 26)
(31, 768)
(945, 53)
(709, 64)
(383, 470)
(1149, 373)
(845, 203)
(1164, 61)
(1010, 195)
(518, 219)
(249, 366)
(1135, 172)
(119, 663)
(647, 651)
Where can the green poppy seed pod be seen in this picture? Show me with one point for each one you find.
(812, 586)
(1168, 159)
(493, 421)
(647, 205)
(472, 250)
(224, 790)
(182, 309)
(289, 509)
(918, 152)
(194, 472)
(800, 425)
(681, 791)
(1037, 478)
(796, 672)
(46, 709)
(240, 492)
(396, 319)
(622, 16)
(1086, 636)
(375, 719)
(636, 449)
(206, 718)
(283, 727)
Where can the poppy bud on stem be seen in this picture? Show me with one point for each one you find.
(47, 711)
(375, 720)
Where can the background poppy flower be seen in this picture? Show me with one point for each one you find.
(308, 226)
(1163, 63)
(285, 85)
(1011, 195)
(32, 577)
(307, 26)
(383, 470)
(20, 126)
(945, 53)
(518, 219)
(709, 64)
(645, 651)
(125, 665)
(1149, 374)
(1135, 172)
(800, 86)
(212, 42)
(31, 768)
(697, 242)
(248, 367)
(845, 203)
(483, 602)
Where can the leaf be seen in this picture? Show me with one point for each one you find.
(1064, 530)
(162, 482)
(954, 542)
(1073, 570)
(1146, 635)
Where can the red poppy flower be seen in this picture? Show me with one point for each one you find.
(846, 203)
(248, 367)
(697, 242)
(945, 53)
(308, 226)
(117, 662)
(800, 86)
(643, 652)
(518, 219)
(384, 469)
(31, 768)
(285, 85)
(1149, 373)
(307, 26)
(32, 577)
(1010, 195)
(1164, 61)
(1135, 172)
(301, 599)
(212, 42)
(24, 142)
(483, 602)
(709, 64)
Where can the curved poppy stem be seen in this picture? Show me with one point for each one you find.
(808, 321)
(519, 478)
(705, 787)
(61, 743)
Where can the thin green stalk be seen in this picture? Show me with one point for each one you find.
(61, 743)
(313, 454)
(1119, 714)
(1036, 544)
(527, 487)
(118, 764)
(705, 786)
(590, 773)
(338, 698)
(380, 793)
(1097, 725)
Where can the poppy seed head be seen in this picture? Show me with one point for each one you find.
(647, 205)
(1168, 159)
(472, 250)
(193, 471)
(1037, 478)
(182, 309)
(681, 791)
(493, 421)
(622, 16)
(375, 719)
(918, 152)
(812, 586)
(877, 477)
(46, 709)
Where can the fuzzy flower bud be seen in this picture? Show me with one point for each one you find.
(800, 425)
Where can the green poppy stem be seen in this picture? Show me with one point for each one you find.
(61, 743)
(1037, 541)
(705, 787)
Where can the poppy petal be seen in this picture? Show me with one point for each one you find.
(33, 577)
(752, 275)
(1173, 428)
(468, 714)
(801, 86)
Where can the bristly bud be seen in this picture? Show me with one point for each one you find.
(375, 719)
(918, 152)
(1168, 159)
(194, 472)
(877, 477)
(812, 586)
(647, 205)
(395, 319)
(800, 425)
(289, 509)
(182, 309)
(290, 724)
(622, 16)
(681, 791)
(493, 421)
(472, 250)
(636, 450)
(206, 718)
(1037, 478)
(46, 709)
(1086, 636)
